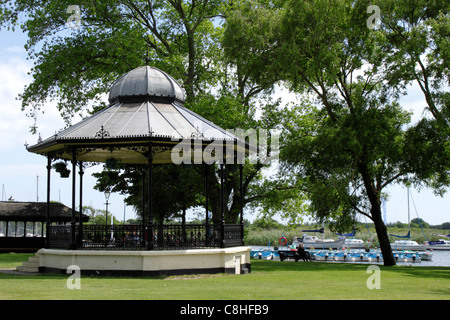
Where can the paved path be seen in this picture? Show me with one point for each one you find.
(15, 272)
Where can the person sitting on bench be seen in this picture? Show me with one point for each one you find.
(302, 254)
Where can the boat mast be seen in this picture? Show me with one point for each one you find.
(409, 222)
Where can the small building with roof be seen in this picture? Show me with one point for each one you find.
(23, 224)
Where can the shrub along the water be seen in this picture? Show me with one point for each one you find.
(262, 237)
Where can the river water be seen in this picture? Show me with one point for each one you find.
(441, 258)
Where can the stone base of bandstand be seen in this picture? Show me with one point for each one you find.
(235, 260)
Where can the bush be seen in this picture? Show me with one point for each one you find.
(262, 237)
(267, 223)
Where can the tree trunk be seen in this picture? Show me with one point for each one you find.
(375, 211)
(383, 237)
(189, 85)
(214, 196)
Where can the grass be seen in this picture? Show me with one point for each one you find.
(12, 260)
(269, 280)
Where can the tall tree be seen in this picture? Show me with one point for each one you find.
(79, 50)
(414, 36)
(346, 140)
(76, 63)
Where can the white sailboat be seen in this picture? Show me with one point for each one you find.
(354, 243)
(407, 244)
(350, 242)
(317, 243)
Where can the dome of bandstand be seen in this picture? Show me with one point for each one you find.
(145, 83)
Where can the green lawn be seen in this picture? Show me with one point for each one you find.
(12, 260)
(271, 280)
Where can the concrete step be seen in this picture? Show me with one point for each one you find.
(27, 269)
(33, 259)
(32, 265)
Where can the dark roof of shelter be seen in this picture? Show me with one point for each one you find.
(36, 211)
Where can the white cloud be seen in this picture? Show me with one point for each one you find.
(19, 169)
(13, 122)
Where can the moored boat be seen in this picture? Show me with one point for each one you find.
(408, 245)
(263, 254)
(313, 242)
(426, 255)
(374, 257)
(406, 256)
(354, 243)
(340, 256)
(442, 244)
(322, 255)
(358, 257)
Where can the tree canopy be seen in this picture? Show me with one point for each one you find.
(348, 138)
(344, 141)
(80, 50)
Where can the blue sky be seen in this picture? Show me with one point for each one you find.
(23, 174)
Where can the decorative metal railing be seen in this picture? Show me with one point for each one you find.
(128, 237)
(59, 236)
(193, 236)
(136, 237)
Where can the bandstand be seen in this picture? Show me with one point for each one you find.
(146, 124)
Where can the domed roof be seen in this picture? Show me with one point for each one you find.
(145, 83)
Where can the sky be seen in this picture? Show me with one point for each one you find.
(23, 175)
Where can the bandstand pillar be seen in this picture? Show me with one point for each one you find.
(208, 231)
(143, 206)
(206, 194)
(241, 202)
(80, 222)
(74, 177)
(222, 209)
(150, 207)
(47, 210)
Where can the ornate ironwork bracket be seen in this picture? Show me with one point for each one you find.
(102, 133)
(197, 134)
